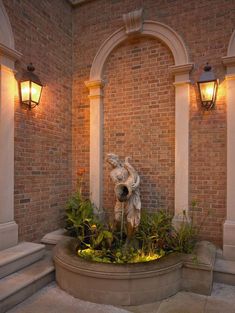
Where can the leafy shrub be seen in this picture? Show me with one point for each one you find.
(100, 242)
(185, 236)
(155, 231)
(79, 216)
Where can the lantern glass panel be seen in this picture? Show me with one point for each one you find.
(207, 91)
(35, 92)
(25, 91)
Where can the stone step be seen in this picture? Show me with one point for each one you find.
(54, 237)
(20, 256)
(17, 287)
(224, 272)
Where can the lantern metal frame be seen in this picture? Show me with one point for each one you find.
(31, 77)
(208, 76)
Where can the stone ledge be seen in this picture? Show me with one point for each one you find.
(54, 237)
(203, 256)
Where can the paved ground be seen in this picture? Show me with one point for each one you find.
(52, 299)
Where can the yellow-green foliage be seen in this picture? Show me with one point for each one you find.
(118, 256)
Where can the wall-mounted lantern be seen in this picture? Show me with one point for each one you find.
(30, 88)
(208, 86)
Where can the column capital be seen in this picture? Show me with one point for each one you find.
(95, 87)
(8, 56)
(229, 62)
(181, 73)
(230, 76)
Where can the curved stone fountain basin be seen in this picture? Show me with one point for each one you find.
(134, 284)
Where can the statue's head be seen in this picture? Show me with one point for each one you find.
(113, 159)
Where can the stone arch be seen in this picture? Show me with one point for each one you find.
(6, 34)
(150, 28)
(135, 27)
(231, 45)
(8, 56)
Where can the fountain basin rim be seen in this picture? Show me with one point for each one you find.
(65, 258)
(133, 283)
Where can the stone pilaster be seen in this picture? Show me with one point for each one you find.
(96, 141)
(182, 105)
(229, 225)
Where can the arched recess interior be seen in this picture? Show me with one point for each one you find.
(229, 225)
(8, 56)
(181, 70)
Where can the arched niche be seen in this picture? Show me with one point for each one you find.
(134, 26)
(229, 225)
(8, 56)
(149, 28)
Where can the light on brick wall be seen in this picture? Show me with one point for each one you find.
(208, 86)
(30, 88)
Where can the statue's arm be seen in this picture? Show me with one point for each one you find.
(134, 175)
(137, 183)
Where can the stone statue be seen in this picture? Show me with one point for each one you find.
(126, 181)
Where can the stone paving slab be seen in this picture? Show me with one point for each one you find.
(183, 302)
(147, 308)
(214, 305)
(52, 299)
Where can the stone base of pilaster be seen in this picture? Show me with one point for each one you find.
(8, 235)
(229, 240)
(179, 219)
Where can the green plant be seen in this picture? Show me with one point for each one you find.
(154, 238)
(79, 217)
(154, 232)
(100, 237)
(185, 235)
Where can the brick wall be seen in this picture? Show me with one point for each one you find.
(206, 27)
(43, 34)
(139, 119)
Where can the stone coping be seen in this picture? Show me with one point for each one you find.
(64, 256)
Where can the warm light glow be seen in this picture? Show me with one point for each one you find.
(35, 91)
(25, 91)
(207, 91)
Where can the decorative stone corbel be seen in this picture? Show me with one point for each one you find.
(133, 21)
